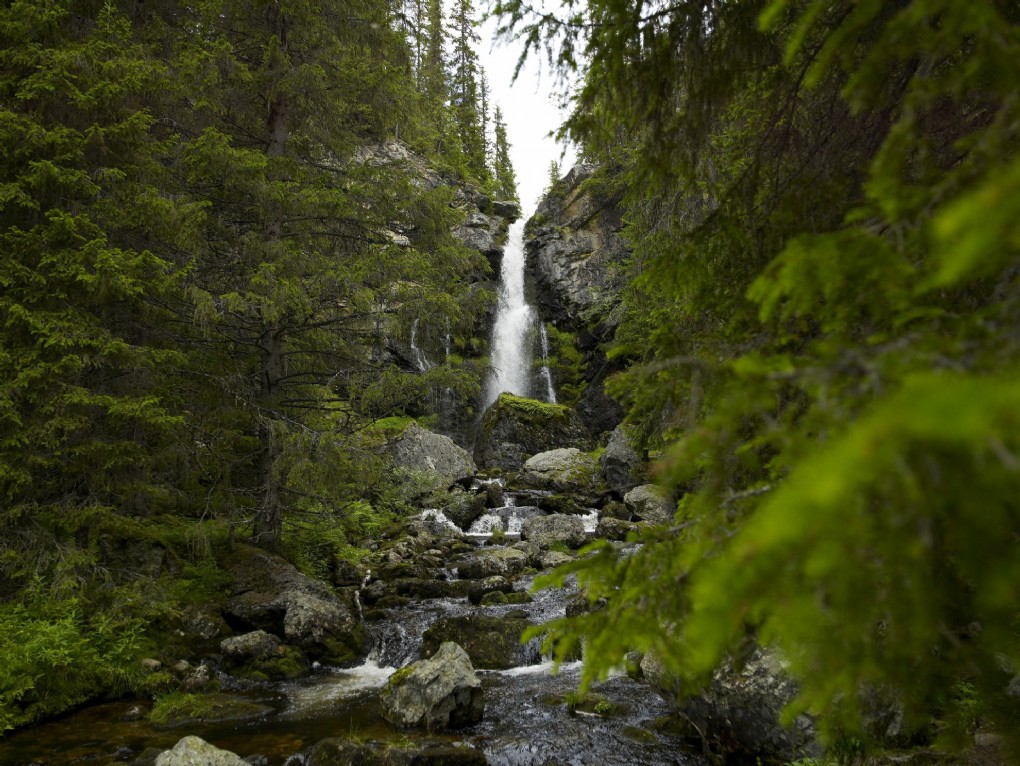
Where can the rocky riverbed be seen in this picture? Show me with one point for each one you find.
(413, 654)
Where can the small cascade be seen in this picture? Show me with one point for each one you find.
(546, 374)
(508, 519)
(421, 362)
(437, 520)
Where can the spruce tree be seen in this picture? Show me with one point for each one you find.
(465, 97)
(300, 270)
(85, 199)
(822, 333)
(502, 167)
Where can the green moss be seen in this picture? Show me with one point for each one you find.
(179, 708)
(533, 408)
(397, 678)
(177, 705)
(289, 663)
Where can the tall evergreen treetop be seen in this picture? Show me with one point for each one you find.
(503, 169)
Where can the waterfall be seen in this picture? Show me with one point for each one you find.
(516, 320)
(420, 360)
(550, 392)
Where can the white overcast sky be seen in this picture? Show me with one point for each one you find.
(530, 113)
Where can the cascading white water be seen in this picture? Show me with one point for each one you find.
(511, 351)
(550, 391)
(420, 360)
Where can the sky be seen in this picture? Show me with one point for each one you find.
(530, 113)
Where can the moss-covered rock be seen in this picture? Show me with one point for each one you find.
(565, 470)
(270, 594)
(514, 428)
(490, 562)
(482, 588)
(437, 693)
(261, 656)
(548, 531)
(493, 643)
(418, 450)
(179, 709)
(495, 598)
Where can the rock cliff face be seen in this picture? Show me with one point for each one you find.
(576, 255)
(577, 262)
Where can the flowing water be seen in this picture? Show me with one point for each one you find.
(527, 719)
(513, 335)
(545, 373)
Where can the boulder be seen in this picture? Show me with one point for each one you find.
(742, 709)
(481, 588)
(461, 507)
(614, 529)
(507, 209)
(555, 528)
(203, 623)
(261, 655)
(492, 643)
(514, 428)
(438, 693)
(650, 503)
(271, 595)
(553, 559)
(533, 551)
(421, 451)
(493, 561)
(251, 646)
(193, 751)
(619, 463)
(566, 469)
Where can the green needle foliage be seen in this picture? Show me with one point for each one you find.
(210, 253)
(822, 333)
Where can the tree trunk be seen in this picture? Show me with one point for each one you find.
(268, 531)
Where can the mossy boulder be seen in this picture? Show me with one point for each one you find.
(419, 451)
(514, 428)
(549, 531)
(481, 588)
(270, 594)
(261, 656)
(194, 751)
(182, 710)
(650, 503)
(615, 529)
(489, 562)
(620, 463)
(566, 469)
(437, 693)
(493, 643)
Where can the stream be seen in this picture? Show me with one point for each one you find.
(527, 720)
